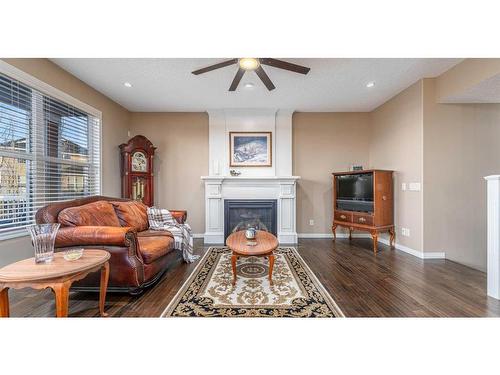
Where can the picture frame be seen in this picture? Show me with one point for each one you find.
(250, 149)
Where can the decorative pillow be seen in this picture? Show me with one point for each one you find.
(132, 214)
(100, 213)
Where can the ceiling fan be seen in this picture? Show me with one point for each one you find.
(250, 63)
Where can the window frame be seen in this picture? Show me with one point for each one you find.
(45, 88)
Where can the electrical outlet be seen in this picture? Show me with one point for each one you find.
(403, 186)
(311, 222)
(128, 133)
(405, 232)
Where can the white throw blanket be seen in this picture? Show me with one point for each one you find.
(162, 219)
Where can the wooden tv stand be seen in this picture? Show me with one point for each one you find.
(379, 219)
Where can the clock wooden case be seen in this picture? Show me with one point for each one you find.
(136, 164)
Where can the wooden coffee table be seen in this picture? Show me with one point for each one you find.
(266, 244)
(57, 275)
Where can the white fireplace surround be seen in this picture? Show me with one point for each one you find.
(275, 182)
(217, 189)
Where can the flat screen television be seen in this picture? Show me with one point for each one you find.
(355, 187)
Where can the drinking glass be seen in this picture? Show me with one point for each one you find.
(43, 237)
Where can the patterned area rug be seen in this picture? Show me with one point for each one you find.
(295, 291)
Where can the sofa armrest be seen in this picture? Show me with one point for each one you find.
(179, 215)
(93, 235)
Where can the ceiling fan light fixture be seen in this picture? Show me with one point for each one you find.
(254, 64)
(248, 63)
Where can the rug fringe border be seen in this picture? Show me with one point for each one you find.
(186, 283)
(320, 284)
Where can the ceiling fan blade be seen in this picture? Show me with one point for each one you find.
(237, 79)
(285, 65)
(264, 78)
(215, 66)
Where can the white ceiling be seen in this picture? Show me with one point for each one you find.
(337, 85)
(487, 91)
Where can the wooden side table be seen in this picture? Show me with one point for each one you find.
(57, 275)
(266, 244)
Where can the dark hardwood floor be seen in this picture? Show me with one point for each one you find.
(391, 284)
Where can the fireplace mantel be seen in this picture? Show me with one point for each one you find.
(251, 178)
(219, 188)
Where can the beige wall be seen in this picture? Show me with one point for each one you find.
(324, 143)
(461, 146)
(115, 122)
(396, 143)
(181, 141)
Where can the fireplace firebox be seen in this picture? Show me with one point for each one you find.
(241, 214)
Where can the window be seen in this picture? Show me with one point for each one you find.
(49, 152)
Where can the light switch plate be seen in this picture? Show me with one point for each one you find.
(403, 186)
(414, 186)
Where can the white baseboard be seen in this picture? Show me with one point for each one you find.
(287, 238)
(416, 253)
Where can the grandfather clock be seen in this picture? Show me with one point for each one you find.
(137, 169)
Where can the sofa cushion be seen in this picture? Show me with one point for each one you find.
(132, 214)
(100, 213)
(152, 248)
(154, 233)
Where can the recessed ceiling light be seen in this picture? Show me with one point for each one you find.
(370, 84)
(127, 84)
(249, 85)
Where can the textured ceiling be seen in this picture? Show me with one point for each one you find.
(487, 91)
(339, 85)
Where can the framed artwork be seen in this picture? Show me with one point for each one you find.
(250, 149)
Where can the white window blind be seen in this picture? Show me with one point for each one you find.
(49, 152)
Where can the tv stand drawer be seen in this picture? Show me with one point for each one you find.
(343, 216)
(364, 219)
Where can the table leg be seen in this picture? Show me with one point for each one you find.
(375, 241)
(334, 230)
(103, 288)
(271, 266)
(233, 265)
(392, 238)
(61, 291)
(4, 303)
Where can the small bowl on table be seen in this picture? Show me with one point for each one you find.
(73, 254)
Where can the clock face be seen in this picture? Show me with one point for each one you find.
(139, 162)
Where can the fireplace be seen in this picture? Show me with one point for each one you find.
(240, 214)
(222, 189)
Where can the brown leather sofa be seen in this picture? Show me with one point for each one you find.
(139, 256)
